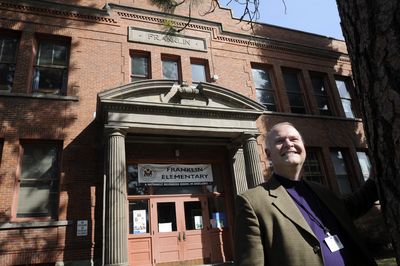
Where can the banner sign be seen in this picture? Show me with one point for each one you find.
(175, 174)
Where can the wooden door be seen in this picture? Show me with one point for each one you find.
(180, 231)
(195, 230)
(166, 233)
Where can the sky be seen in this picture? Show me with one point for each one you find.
(315, 16)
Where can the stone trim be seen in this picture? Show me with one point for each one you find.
(162, 21)
(61, 12)
(122, 100)
(145, 108)
(39, 96)
(237, 38)
(22, 225)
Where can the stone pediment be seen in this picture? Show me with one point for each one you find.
(168, 92)
(165, 106)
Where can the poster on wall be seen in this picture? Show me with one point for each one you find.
(139, 222)
(175, 174)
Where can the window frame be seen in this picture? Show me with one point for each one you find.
(140, 54)
(301, 94)
(327, 96)
(52, 40)
(203, 62)
(172, 58)
(148, 218)
(14, 35)
(267, 69)
(348, 168)
(318, 155)
(363, 178)
(349, 87)
(50, 215)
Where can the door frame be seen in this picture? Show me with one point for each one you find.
(182, 236)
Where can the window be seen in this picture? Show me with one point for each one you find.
(51, 67)
(365, 164)
(264, 89)
(140, 65)
(345, 98)
(171, 68)
(139, 217)
(294, 92)
(340, 167)
(38, 192)
(320, 92)
(199, 71)
(8, 52)
(312, 169)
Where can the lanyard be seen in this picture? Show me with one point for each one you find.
(311, 216)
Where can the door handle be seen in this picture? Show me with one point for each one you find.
(179, 236)
(184, 236)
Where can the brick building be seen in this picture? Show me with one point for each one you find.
(121, 144)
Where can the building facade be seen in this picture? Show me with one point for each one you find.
(124, 145)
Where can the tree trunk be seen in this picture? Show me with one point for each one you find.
(372, 33)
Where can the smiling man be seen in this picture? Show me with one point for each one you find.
(289, 221)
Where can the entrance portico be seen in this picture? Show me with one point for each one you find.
(161, 111)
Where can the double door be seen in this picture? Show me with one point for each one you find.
(180, 229)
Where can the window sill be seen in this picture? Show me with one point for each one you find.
(313, 116)
(39, 96)
(19, 225)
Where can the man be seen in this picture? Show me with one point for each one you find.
(288, 221)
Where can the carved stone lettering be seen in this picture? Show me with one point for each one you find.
(161, 38)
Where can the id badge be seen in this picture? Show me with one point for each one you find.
(333, 243)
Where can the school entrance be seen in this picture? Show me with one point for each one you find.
(178, 232)
(175, 157)
(180, 202)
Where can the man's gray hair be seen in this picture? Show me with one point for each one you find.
(268, 135)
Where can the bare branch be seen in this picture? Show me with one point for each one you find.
(213, 6)
(284, 4)
(190, 18)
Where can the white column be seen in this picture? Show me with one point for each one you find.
(239, 171)
(253, 163)
(116, 222)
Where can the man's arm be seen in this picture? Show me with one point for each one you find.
(249, 249)
(359, 202)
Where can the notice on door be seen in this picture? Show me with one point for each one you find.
(139, 221)
(175, 174)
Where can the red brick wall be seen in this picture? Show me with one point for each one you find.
(100, 60)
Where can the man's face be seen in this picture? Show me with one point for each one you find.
(285, 147)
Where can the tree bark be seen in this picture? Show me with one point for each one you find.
(372, 33)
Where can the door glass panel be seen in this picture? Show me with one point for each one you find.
(193, 215)
(139, 217)
(166, 214)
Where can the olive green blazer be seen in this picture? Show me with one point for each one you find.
(270, 229)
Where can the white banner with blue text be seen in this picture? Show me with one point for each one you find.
(175, 174)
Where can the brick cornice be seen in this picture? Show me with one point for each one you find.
(229, 37)
(59, 10)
